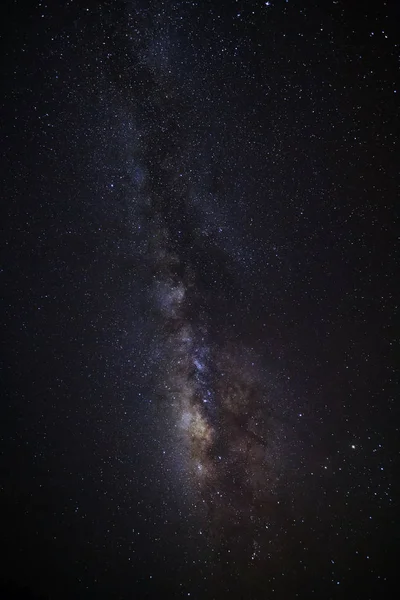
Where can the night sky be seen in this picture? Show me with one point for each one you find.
(198, 273)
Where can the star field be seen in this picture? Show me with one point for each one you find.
(198, 274)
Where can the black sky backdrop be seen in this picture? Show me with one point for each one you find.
(225, 172)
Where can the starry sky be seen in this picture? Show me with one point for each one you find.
(198, 300)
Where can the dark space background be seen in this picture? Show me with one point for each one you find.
(264, 136)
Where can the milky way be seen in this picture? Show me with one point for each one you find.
(212, 382)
